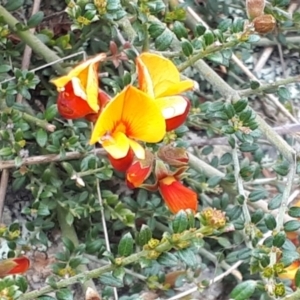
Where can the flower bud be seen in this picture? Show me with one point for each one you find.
(264, 24)
(255, 8)
(174, 156)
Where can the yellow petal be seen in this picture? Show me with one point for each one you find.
(92, 87)
(162, 73)
(135, 114)
(142, 116)
(144, 78)
(117, 145)
(86, 72)
(172, 106)
(138, 150)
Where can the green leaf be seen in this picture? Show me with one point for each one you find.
(244, 290)
(275, 202)
(64, 294)
(224, 25)
(297, 278)
(200, 29)
(180, 222)
(12, 5)
(270, 221)
(21, 282)
(229, 110)
(187, 47)
(46, 298)
(6, 151)
(179, 30)
(284, 94)
(279, 239)
(144, 235)
(156, 29)
(109, 279)
(41, 137)
(214, 180)
(69, 218)
(248, 147)
(258, 195)
(164, 41)
(188, 257)
(125, 246)
(226, 159)
(254, 84)
(5, 68)
(208, 37)
(281, 168)
(36, 19)
(240, 105)
(216, 57)
(292, 225)
(294, 211)
(51, 112)
(257, 216)
(288, 257)
(168, 259)
(68, 244)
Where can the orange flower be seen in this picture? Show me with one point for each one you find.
(174, 193)
(160, 79)
(79, 89)
(12, 266)
(129, 117)
(139, 171)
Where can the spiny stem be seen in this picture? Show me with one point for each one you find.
(31, 40)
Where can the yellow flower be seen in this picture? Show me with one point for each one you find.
(82, 82)
(129, 117)
(160, 79)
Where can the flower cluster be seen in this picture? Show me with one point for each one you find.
(132, 117)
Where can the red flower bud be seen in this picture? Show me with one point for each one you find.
(139, 171)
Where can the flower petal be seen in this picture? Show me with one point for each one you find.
(139, 170)
(142, 117)
(176, 195)
(14, 266)
(60, 82)
(138, 150)
(71, 106)
(175, 110)
(160, 75)
(134, 113)
(116, 145)
(122, 164)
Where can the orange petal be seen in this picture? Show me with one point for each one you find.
(139, 171)
(176, 195)
(134, 113)
(122, 164)
(160, 75)
(70, 106)
(14, 266)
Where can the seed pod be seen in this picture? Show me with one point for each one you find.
(255, 8)
(264, 24)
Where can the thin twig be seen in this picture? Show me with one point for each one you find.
(3, 188)
(28, 50)
(42, 159)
